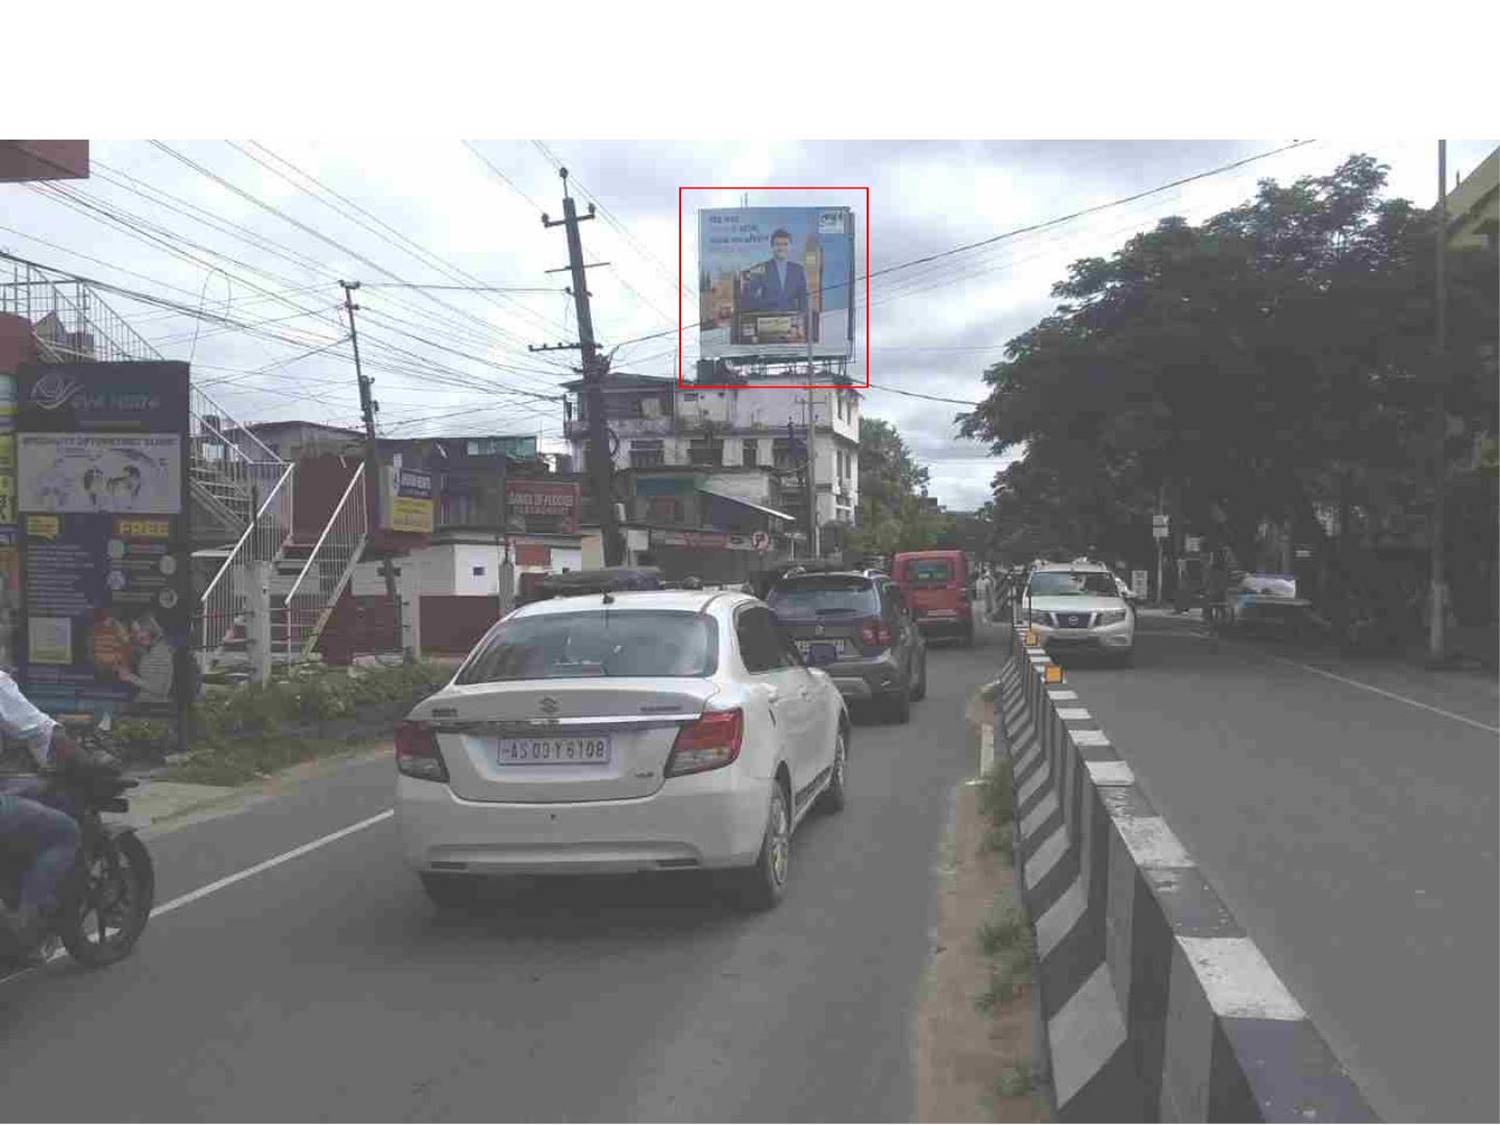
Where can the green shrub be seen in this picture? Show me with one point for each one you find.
(997, 797)
(1015, 1081)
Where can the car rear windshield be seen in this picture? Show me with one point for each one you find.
(825, 597)
(1063, 583)
(596, 643)
(929, 572)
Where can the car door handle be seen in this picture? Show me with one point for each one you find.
(803, 693)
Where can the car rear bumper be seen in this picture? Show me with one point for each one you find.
(714, 819)
(866, 679)
(946, 625)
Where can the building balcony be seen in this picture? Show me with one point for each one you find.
(577, 429)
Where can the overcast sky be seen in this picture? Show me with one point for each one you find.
(431, 212)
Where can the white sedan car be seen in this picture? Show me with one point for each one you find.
(655, 730)
(1078, 606)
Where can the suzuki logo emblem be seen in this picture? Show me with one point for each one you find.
(548, 705)
(818, 631)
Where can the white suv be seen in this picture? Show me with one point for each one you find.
(1078, 605)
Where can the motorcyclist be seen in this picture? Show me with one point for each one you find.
(47, 836)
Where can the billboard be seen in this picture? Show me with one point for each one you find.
(542, 507)
(101, 474)
(410, 503)
(774, 280)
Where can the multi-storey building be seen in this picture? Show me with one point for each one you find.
(747, 440)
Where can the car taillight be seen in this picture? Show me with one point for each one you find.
(874, 634)
(417, 753)
(708, 743)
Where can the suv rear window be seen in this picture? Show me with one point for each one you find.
(833, 596)
(597, 643)
(929, 571)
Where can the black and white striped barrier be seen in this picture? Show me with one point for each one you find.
(1158, 1006)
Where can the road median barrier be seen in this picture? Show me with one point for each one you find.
(1157, 1004)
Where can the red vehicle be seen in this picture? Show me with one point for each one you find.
(936, 585)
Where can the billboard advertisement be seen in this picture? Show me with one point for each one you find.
(410, 503)
(772, 280)
(101, 475)
(542, 506)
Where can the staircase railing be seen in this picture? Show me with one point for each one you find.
(225, 601)
(231, 468)
(309, 603)
(69, 319)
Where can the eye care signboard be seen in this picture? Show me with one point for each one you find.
(100, 495)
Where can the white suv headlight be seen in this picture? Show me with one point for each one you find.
(1037, 617)
(1113, 616)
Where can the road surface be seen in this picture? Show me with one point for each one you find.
(326, 988)
(1346, 813)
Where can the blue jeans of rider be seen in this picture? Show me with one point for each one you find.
(49, 837)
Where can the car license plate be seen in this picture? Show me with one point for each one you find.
(820, 651)
(581, 751)
(836, 646)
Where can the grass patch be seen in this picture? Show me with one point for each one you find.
(999, 841)
(997, 801)
(1011, 972)
(1015, 1081)
(1003, 932)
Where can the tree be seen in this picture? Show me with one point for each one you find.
(1262, 367)
(895, 513)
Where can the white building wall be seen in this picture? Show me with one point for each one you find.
(758, 414)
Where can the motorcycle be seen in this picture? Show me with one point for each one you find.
(107, 898)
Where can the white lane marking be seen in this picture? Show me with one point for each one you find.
(274, 861)
(1073, 714)
(1391, 695)
(1371, 687)
(230, 880)
(1088, 737)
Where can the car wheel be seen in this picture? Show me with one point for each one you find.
(763, 885)
(450, 891)
(898, 706)
(835, 796)
(920, 690)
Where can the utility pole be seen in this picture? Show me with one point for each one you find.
(373, 483)
(1438, 601)
(814, 538)
(595, 367)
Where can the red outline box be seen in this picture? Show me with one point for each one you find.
(681, 381)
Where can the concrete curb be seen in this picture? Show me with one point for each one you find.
(1158, 1006)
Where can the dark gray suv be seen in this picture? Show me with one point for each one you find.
(858, 628)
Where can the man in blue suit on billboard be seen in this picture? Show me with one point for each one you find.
(779, 285)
